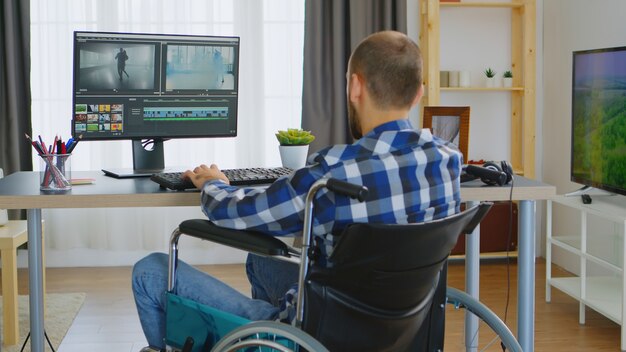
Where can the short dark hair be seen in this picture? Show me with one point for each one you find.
(391, 65)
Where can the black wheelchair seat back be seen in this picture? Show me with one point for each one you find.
(377, 288)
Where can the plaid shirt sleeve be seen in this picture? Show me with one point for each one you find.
(277, 210)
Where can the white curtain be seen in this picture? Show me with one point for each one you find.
(270, 86)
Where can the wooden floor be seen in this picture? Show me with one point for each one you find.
(108, 319)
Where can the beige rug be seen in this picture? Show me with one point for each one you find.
(61, 309)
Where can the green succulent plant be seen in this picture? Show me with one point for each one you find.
(490, 73)
(294, 136)
(507, 74)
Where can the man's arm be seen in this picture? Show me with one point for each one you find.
(277, 210)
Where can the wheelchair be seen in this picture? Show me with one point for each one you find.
(370, 296)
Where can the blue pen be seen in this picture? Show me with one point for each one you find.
(74, 143)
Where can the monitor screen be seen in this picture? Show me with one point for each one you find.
(154, 86)
(598, 157)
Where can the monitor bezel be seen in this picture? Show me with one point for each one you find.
(235, 41)
(573, 177)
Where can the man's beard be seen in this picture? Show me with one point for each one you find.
(353, 120)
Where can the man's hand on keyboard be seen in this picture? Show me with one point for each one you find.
(201, 174)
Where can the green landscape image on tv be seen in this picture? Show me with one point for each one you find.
(599, 119)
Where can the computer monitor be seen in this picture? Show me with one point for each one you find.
(153, 87)
(598, 154)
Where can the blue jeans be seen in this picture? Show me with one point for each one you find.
(270, 279)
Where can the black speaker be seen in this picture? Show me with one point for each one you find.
(492, 173)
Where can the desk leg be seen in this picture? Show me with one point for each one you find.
(35, 280)
(472, 283)
(526, 276)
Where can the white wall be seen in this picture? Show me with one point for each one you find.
(571, 25)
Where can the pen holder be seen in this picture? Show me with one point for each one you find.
(55, 174)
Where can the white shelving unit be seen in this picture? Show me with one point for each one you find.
(601, 289)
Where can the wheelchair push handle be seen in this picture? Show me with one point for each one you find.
(349, 189)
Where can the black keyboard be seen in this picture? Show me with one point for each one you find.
(251, 176)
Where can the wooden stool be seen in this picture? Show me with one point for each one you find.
(12, 235)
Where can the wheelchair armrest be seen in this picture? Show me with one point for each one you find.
(251, 241)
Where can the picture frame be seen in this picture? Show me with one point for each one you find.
(450, 123)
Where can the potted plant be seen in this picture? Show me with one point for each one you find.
(491, 74)
(507, 79)
(294, 146)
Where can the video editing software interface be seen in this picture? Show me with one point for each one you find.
(134, 86)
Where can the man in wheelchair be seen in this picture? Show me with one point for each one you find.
(411, 175)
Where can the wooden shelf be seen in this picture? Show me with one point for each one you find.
(487, 255)
(482, 4)
(523, 101)
(481, 89)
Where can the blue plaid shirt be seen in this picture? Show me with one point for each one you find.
(411, 175)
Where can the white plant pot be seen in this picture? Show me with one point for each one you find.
(507, 82)
(4, 217)
(293, 156)
(490, 82)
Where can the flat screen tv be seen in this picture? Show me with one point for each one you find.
(153, 87)
(598, 157)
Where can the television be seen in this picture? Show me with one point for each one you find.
(598, 154)
(149, 88)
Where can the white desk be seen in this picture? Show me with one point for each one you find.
(20, 190)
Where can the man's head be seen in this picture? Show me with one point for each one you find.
(384, 75)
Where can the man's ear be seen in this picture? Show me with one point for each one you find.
(356, 88)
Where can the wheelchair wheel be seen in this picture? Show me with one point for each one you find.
(268, 336)
(460, 299)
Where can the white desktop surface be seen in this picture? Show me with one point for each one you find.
(20, 190)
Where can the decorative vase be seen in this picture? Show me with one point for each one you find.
(507, 82)
(293, 156)
(464, 79)
(453, 79)
(444, 78)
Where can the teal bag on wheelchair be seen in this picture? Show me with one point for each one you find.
(185, 318)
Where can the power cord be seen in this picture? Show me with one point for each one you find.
(147, 144)
(44, 334)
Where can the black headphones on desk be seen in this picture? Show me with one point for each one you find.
(492, 173)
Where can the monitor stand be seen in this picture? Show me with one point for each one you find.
(145, 161)
(592, 191)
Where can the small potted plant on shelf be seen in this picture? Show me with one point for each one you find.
(507, 79)
(491, 74)
(294, 146)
